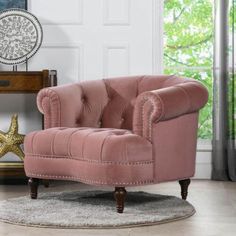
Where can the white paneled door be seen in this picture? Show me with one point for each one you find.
(93, 39)
(85, 40)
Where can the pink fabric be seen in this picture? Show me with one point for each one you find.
(109, 174)
(91, 144)
(73, 105)
(174, 150)
(101, 156)
(167, 103)
(122, 131)
(107, 103)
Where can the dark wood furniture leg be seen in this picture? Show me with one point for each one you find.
(184, 187)
(33, 185)
(120, 195)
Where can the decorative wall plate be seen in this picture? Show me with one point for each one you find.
(21, 36)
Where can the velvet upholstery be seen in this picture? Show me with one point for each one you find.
(118, 132)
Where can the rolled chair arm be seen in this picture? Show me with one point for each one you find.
(167, 103)
(60, 105)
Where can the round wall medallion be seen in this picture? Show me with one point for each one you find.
(21, 36)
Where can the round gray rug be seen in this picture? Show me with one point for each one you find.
(93, 209)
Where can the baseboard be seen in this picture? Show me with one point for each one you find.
(203, 164)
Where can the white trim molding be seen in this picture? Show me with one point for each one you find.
(72, 45)
(106, 16)
(203, 165)
(203, 159)
(119, 46)
(78, 21)
(158, 37)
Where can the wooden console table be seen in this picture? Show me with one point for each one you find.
(22, 83)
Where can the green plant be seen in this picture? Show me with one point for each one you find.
(188, 47)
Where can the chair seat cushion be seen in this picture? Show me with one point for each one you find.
(89, 154)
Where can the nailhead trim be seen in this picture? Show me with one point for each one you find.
(156, 104)
(55, 103)
(84, 180)
(91, 161)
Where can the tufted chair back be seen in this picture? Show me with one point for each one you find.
(122, 94)
(107, 103)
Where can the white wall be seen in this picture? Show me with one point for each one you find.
(92, 39)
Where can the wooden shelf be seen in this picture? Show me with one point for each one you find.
(22, 83)
(26, 82)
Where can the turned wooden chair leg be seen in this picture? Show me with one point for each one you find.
(33, 185)
(184, 187)
(120, 195)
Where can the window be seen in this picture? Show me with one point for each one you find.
(188, 48)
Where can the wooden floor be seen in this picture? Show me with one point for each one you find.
(215, 203)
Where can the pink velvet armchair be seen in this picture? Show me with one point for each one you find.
(117, 132)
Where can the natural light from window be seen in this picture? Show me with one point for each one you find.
(188, 48)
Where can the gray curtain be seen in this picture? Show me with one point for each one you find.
(224, 155)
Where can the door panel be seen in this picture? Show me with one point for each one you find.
(95, 38)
